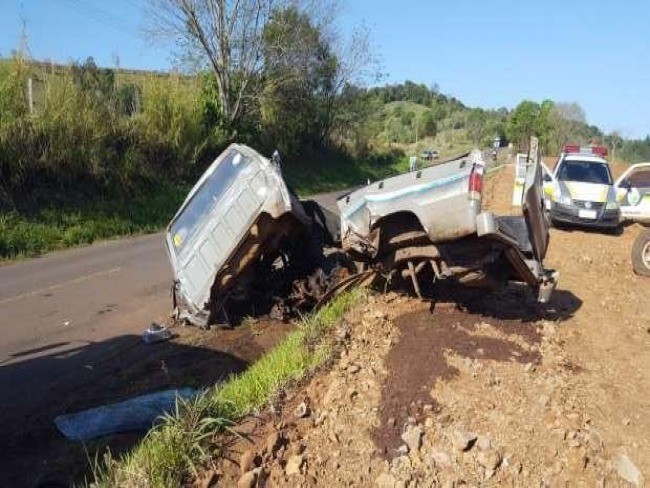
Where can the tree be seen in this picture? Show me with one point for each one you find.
(571, 111)
(98, 82)
(544, 126)
(299, 80)
(521, 124)
(614, 141)
(248, 59)
(229, 36)
(476, 125)
(568, 124)
(428, 123)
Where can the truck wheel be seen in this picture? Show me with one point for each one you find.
(641, 254)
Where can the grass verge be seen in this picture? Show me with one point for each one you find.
(320, 172)
(27, 235)
(171, 451)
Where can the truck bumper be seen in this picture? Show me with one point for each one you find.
(569, 214)
(519, 253)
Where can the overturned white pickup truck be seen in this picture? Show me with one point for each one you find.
(429, 225)
(241, 236)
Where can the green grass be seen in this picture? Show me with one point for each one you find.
(325, 172)
(405, 106)
(171, 452)
(26, 235)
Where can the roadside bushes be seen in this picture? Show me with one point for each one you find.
(89, 137)
(101, 154)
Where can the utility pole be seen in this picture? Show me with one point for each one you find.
(417, 130)
(30, 95)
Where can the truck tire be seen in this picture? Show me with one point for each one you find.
(641, 254)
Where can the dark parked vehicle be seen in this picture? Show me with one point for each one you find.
(429, 155)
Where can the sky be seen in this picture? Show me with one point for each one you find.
(487, 53)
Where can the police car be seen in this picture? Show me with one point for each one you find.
(581, 191)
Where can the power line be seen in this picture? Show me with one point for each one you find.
(99, 16)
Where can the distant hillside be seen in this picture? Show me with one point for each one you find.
(415, 116)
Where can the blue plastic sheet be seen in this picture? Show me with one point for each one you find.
(134, 414)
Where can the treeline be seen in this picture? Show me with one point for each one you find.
(407, 112)
(629, 150)
(85, 131)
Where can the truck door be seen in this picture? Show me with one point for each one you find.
(633, 193)
(533, 204)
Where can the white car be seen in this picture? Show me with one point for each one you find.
(583, 191)
(633, 193)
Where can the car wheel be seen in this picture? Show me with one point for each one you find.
(641, 254)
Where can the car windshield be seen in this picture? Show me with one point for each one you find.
(208, 194)
(585, 172)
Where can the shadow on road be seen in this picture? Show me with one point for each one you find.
(60, 378)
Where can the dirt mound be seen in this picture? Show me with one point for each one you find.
(421, 398)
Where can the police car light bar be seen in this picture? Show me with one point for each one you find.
(600, 150)
(575, 148)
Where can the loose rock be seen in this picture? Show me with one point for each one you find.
(490, 460)
(302, 411)
(249, 479)
(354, 368)
(412, 436)
(273, 443)
(441, 459)
(463, 440)
(246, 461)
(386, 480)
(294, 464)
(483, 443)
(209, 479)
(627, 470)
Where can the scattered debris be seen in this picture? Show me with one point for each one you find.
(249, 479)
(156, 333)
(412, 436)
(246, 461)
(483, 443)
(273, 443)
(134, 414)
(440, 459)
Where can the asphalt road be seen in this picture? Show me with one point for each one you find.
(70, 298)
(65, 311)
(65, 299)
